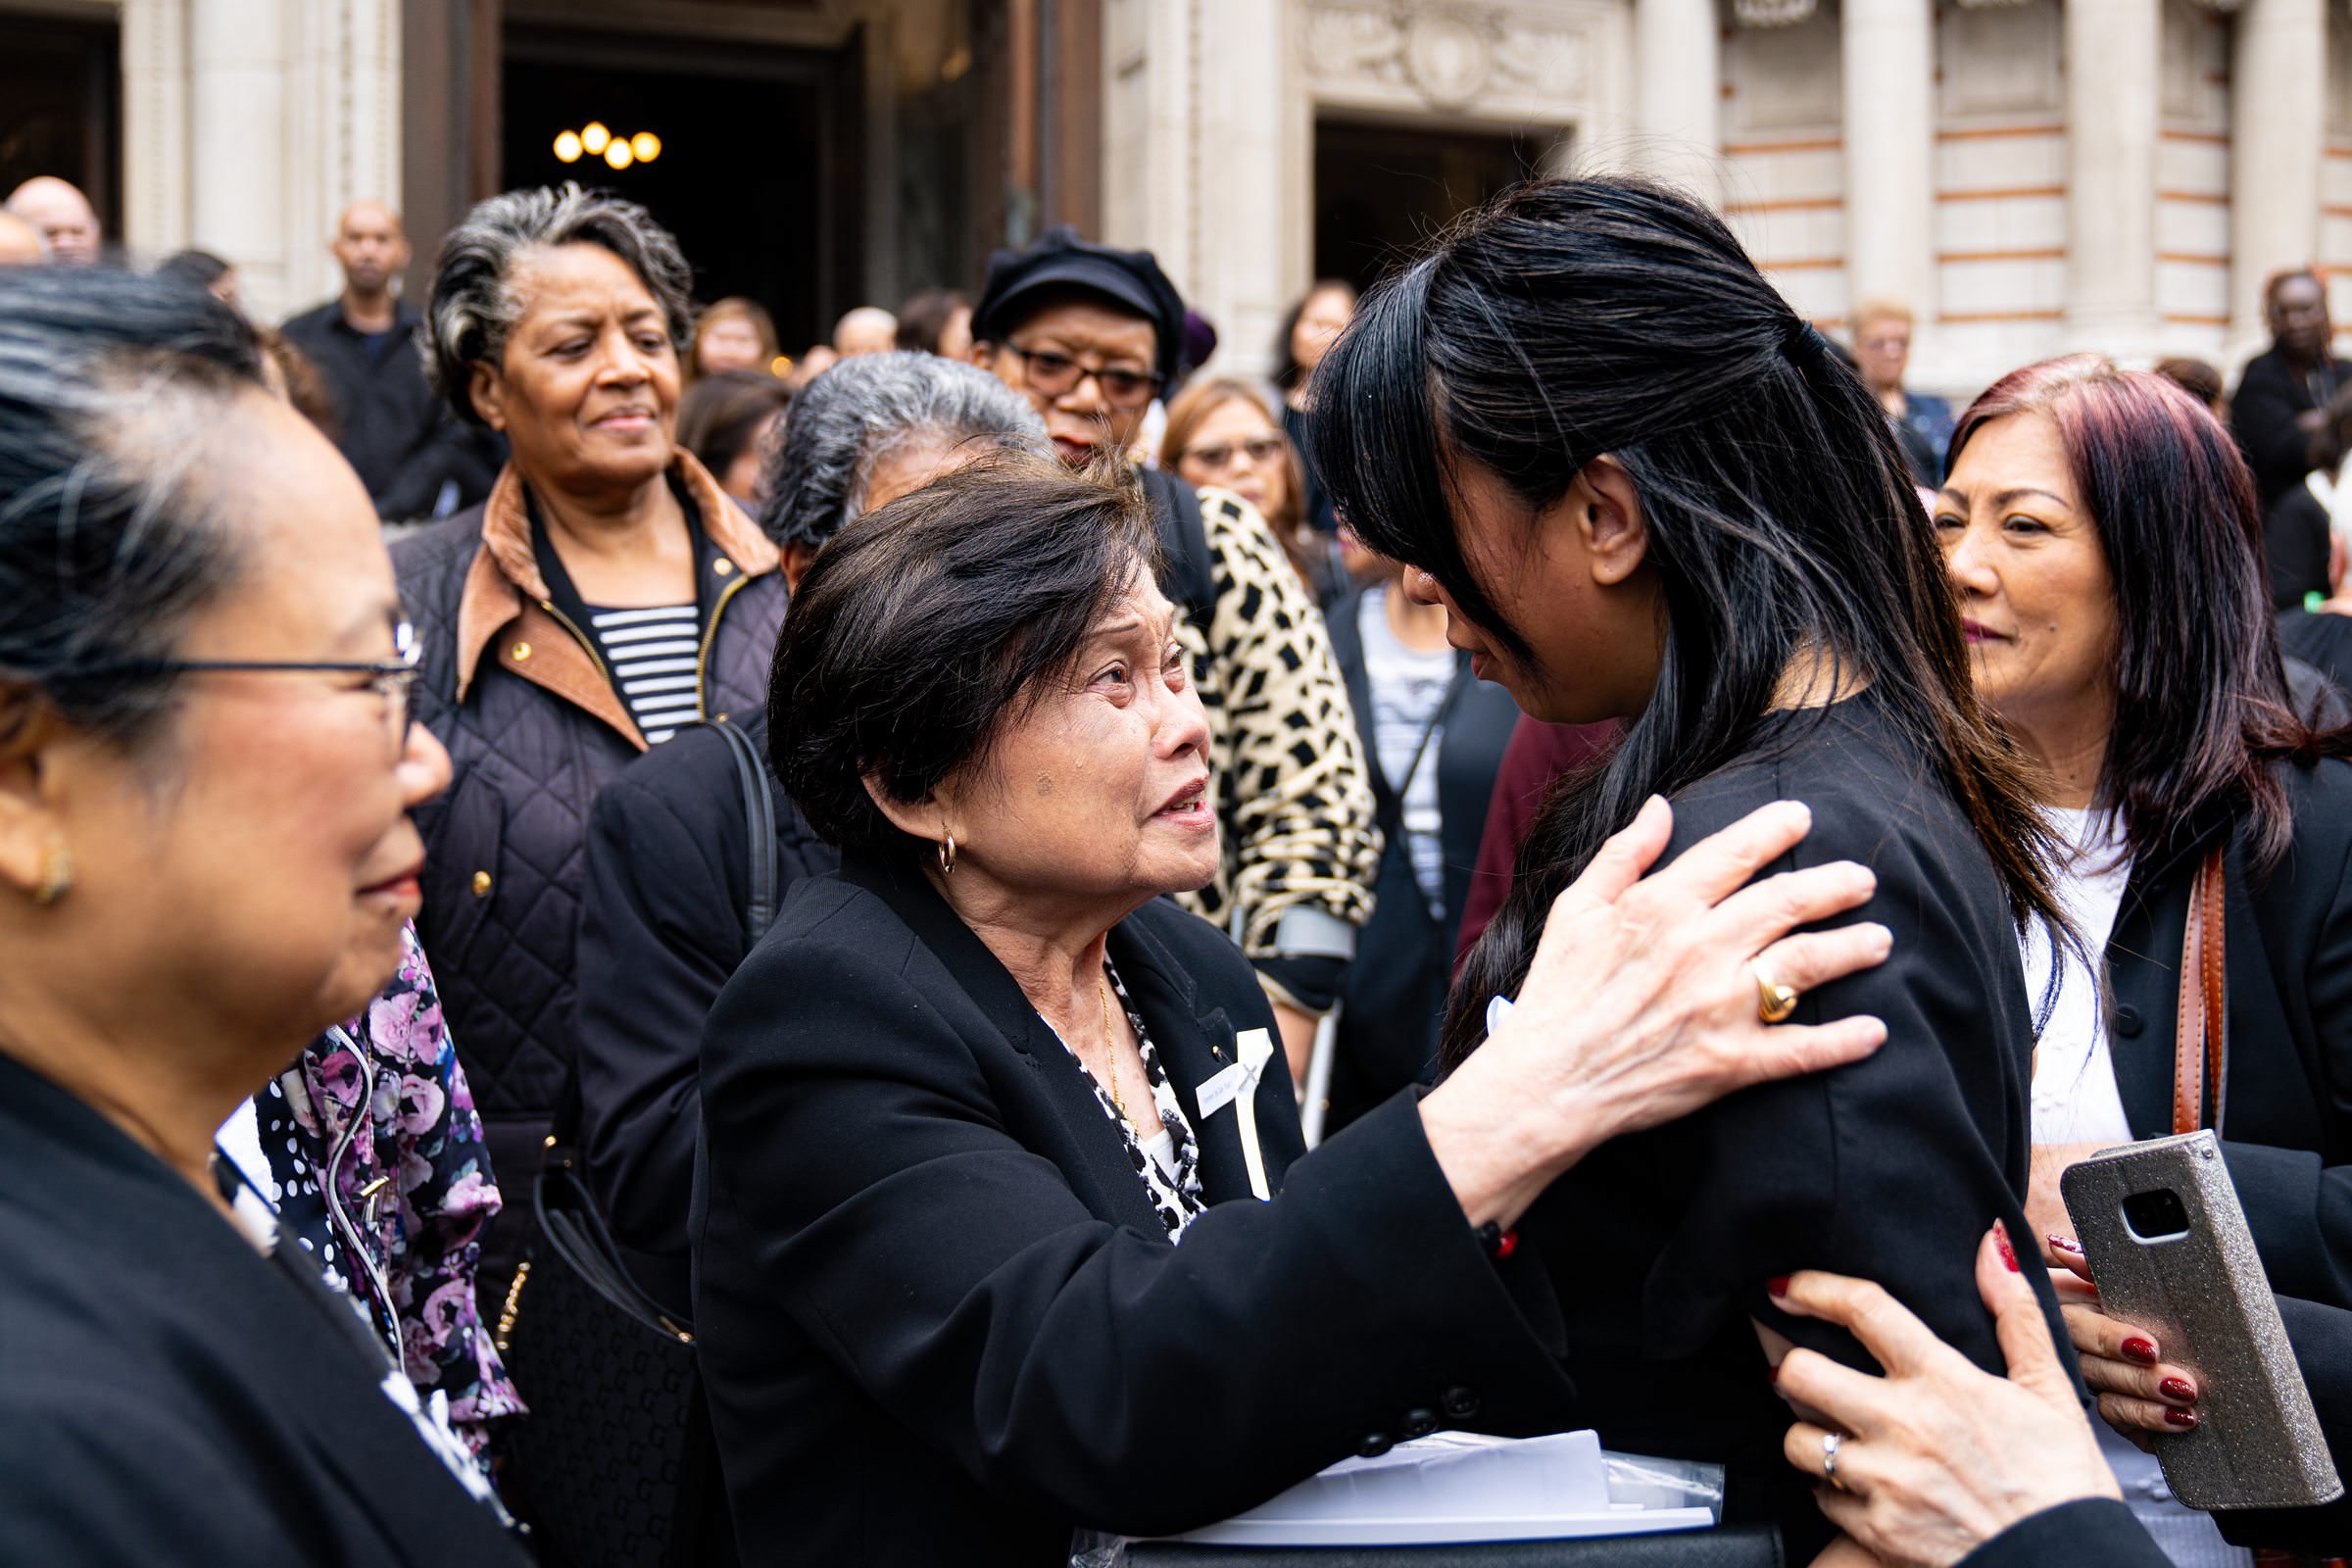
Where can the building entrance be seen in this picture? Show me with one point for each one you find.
(758, 168)
(1382, 187)
(60, 108)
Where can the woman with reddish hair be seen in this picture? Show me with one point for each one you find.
(2102, 535)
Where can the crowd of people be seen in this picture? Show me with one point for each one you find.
(1099, 937)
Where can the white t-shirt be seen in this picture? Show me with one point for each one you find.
(2075, 1101)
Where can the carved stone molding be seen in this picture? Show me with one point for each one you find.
(1774, 13)
(1447, 56)
(2220, 8)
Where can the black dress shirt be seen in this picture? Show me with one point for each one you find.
(2262, 416)
(390, 424)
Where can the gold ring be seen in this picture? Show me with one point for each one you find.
(1775, 1002)
(1829, 1458)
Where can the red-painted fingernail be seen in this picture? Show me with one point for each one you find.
(1777, 1286)
(2183, 1419)
(2067, 1243)
(2141, 1351)
(2000, 1240)
(2179, 1389)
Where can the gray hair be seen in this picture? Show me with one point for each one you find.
(472, 308)
(847, 421)
(112, 530)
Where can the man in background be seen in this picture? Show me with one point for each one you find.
(62, 214)
(416, 460)
(2281, 400)
(867, 329)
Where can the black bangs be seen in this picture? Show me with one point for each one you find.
(1376, 444)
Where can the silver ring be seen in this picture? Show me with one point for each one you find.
(1829, 1458)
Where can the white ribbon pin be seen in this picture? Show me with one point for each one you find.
(1237, 1086)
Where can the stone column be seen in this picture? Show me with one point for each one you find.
(1678, 107)
(155, 127)
(1889, 87)
(237, 152)
(2278, 119)
(2114, 55)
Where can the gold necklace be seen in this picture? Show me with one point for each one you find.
(1110, 1050)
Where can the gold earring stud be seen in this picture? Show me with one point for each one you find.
(57, 874)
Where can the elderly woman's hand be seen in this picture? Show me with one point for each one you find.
(1937, 1458)
(2139, 1393)
(1642, 1004)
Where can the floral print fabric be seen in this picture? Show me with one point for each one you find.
(383, 1108)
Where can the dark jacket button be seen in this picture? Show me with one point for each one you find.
(2128, 1021)
(1460, 1403)
(1419, 1423)
(1377, 1444)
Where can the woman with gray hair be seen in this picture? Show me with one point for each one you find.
(669, 845)
(606, 592)
(877, 427)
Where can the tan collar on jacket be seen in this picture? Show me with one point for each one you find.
(505, 593)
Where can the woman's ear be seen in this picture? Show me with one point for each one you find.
(488, 389)
(928, 819)
(30, 837)
(1608, 515)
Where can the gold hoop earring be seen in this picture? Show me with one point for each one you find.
(57, 874)
(947, 855)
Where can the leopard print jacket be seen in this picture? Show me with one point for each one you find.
(1293, 798)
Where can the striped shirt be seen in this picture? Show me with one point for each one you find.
(653, 655)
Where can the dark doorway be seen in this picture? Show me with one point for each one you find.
(60, 109)
(759, 173)
(1381, 188)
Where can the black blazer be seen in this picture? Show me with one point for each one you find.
(2287, 1128)
(170, 1395)
(660, 930)
(1891, 1168)
(1392, 997)
(939, 1320)
(2262, 416)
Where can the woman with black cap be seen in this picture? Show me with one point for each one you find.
(1091, 335)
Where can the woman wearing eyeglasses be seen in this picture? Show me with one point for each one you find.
(606, 592)
(1091, 335)
(1223, 433)
(206, 860)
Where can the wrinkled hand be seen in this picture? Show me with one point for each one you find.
(1938, 1458)
(2139, 1393)
(1640, 1006)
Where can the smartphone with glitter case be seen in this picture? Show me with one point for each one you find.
(2170, 1253)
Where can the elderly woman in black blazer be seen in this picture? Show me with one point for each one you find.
(962, 1102)
(2100, 529)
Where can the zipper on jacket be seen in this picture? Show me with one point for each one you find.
(701, 657)
(586, 645)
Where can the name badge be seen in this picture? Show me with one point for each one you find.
(1220, 1092)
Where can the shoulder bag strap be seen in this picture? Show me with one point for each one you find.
(760, 819)
(2200, 1038)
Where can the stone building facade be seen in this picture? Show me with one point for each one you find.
(2031, 175)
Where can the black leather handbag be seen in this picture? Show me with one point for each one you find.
(615, 1466)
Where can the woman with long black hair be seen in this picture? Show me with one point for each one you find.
(1645, 489)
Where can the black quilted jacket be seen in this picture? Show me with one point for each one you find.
(504, 847)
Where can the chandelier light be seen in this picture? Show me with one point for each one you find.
(596, 139)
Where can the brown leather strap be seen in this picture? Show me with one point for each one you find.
(2198, 1033)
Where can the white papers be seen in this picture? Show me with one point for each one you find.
(1456, 1486)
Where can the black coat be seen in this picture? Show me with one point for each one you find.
(660, 931)
(1891, 1168)
(939, 1320)
(1393, 999)
(2262, 416)
(2295, 547)
(2287, 1131)
(390, 425)
(506, 863)
(170, 1395)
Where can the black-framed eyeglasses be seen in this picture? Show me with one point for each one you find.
(1053, 375)
(392, 680)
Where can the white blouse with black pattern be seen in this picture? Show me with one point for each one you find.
(1167, 1163)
